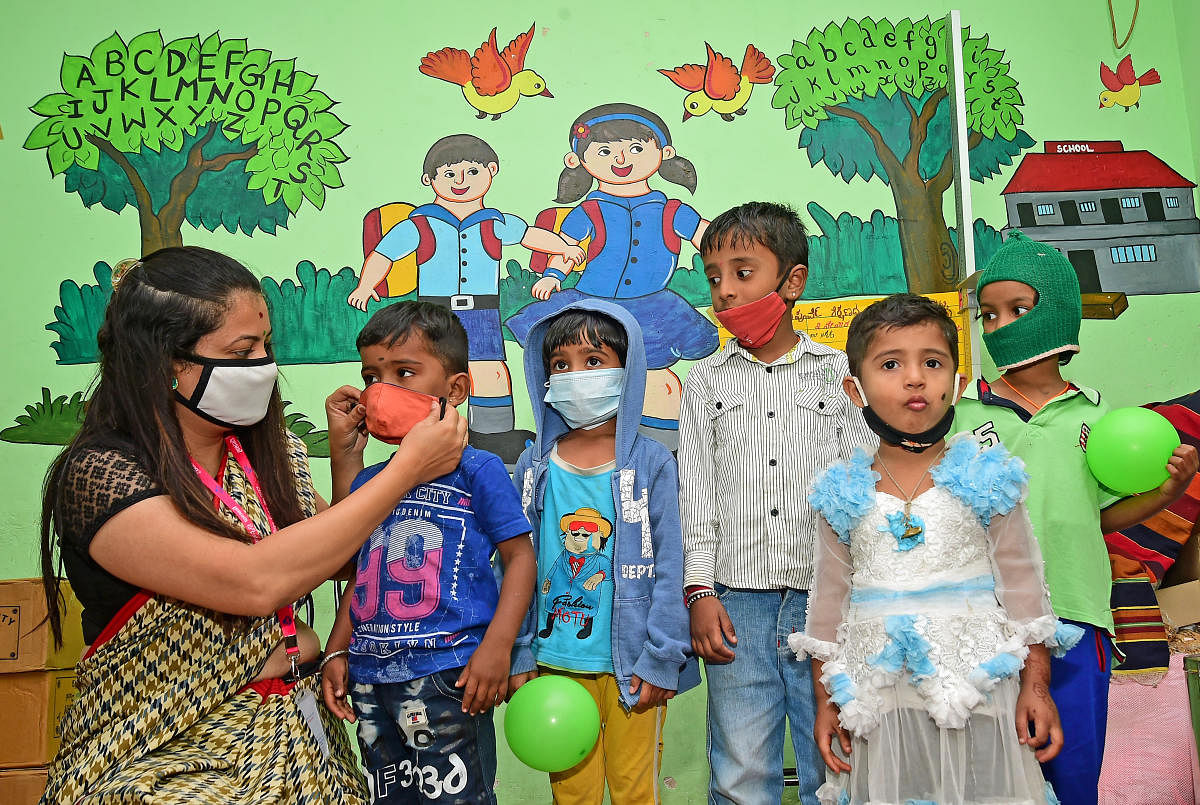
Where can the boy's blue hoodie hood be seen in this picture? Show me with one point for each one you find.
(550, 424)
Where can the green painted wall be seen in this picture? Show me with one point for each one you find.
(365, 55)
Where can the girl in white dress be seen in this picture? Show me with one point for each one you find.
(929, 623)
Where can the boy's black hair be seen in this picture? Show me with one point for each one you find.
(441, 329)
(775, 226)
(591, 327)
(457, 148)
(897, 310)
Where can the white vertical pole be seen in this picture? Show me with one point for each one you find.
(962, 173)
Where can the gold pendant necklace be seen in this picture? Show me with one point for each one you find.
(911, 529)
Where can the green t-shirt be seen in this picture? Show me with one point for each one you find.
(1064, 500)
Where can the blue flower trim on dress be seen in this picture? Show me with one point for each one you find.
(999, 667)
(897, 525)
(1066, 636)
(990, 481)
(1051, 797)
(844, 797)
(841, 689)
(845, 493)
(906, 648)
(919, 802)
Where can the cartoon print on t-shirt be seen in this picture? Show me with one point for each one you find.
(574, 582)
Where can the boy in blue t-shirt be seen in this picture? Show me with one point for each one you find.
(604, 503)
(425, 631)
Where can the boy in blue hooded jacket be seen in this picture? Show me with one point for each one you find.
(604, 504)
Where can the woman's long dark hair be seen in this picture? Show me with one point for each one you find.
(160, 308)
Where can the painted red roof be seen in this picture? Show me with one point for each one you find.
(1066, 173)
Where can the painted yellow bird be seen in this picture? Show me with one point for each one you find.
(492, 80)
(1124, 89)
(720, 86)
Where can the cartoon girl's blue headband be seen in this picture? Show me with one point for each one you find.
(582, 130)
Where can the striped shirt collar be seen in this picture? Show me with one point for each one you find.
(804, 345)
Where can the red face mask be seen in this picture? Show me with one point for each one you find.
(393, 410)
(754, 323)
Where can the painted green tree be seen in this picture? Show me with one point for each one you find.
(209, 133)
(872, 97)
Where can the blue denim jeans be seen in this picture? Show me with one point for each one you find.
(749, 698)
(419, 746)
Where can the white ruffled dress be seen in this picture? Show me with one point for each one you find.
(923, 637)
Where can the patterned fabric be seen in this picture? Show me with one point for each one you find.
(156, 718)
(1141, 554)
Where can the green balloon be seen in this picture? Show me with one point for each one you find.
(551, 723)
(1128, 449)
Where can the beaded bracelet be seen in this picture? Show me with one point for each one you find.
(331, 655)
(696, 596)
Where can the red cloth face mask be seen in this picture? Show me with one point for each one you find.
(754, 323)
(393, 410)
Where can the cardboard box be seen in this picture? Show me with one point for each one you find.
(22, 786)
(1180, 604)
(31, 710)
(26, 643)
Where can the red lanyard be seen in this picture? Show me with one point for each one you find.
(286, 616)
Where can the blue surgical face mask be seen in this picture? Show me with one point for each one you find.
(586, 399)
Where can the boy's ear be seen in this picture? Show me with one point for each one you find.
(459, 388)
(493, 168)
(961, 382)
(793, 286)
(426, 179)
(571, 160)
(851, 389)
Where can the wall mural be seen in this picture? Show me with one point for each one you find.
(1124, 87)
(211, 133)
(492, 80)
(718, 86)
(872, 99)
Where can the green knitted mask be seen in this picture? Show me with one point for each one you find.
(1052, 326)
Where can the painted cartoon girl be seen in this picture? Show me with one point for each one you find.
(635, 237)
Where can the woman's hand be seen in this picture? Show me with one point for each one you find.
(433, 447)
(347, 433)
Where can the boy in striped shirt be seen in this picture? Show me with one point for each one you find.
(759, 419)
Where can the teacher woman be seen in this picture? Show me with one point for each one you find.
(185, 517)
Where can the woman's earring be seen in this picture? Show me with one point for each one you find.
(174, 383)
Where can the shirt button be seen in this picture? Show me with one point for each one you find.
(637, 223)
(636, 241)
(820, 405)
(463, 263)
(769, 368)
(464, 235)
(717, 404)
(633, 259)
(774, 512)
(629, 282)
(772, 462)
(770, 414)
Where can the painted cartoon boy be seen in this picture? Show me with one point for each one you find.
(457, 241)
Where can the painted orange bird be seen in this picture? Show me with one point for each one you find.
(718, 85)
(492, 80)
(1123, 88)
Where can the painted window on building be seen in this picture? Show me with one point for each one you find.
(1045, 209)
(1134, 254)
(1130, 202)
(1087, 206)
(1172, 201)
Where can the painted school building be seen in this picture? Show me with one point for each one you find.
(1125, 219)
